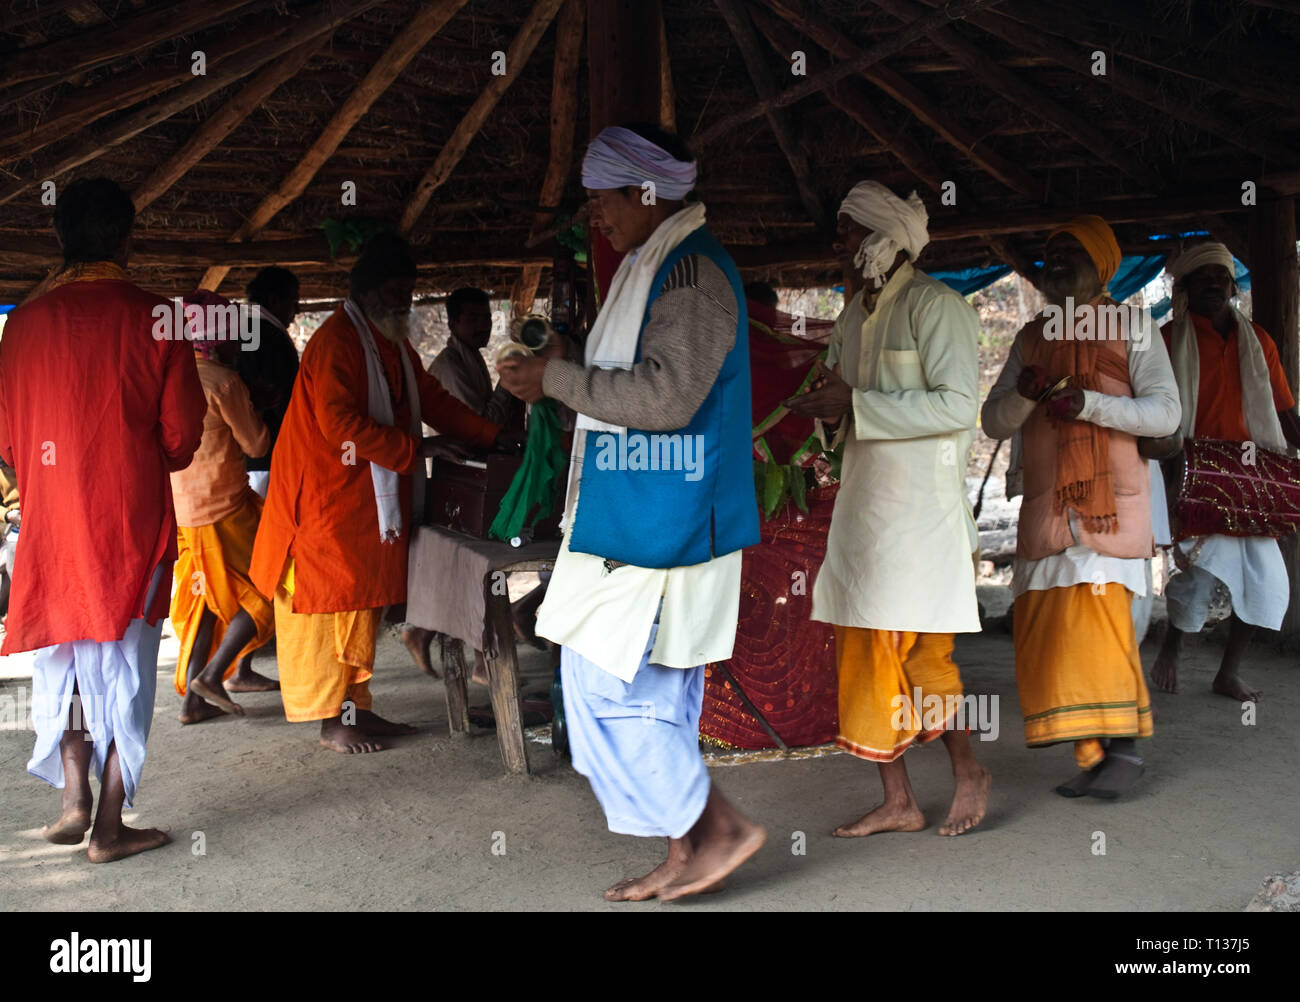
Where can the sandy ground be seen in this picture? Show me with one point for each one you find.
(433, 823)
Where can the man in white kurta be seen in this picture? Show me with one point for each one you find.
(899, 576)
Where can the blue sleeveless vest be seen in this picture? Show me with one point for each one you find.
(672, 499)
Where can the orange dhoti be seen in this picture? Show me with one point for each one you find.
(325, 658)
(211, 574)
(896, 687)
(1078, 670)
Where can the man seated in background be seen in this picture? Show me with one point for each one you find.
(460, 366)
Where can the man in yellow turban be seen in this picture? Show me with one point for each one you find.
(1083, 381)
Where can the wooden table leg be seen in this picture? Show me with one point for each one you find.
(454, 682)
(503, 680)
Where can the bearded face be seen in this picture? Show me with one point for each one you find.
(1068, 272)
(395, 325)
(389, 308)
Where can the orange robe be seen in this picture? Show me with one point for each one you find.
(94, 414)
(321, 518)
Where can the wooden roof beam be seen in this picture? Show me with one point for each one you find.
(779, 120)
(967, 143)
(521, 47)
(408, 41)
(564, 125)
(328, 15)
(1024, 95)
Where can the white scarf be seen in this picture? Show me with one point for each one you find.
(1256, 390)
(613, 339)
(379, 405)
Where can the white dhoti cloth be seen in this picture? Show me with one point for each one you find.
(259, 480)
(638, 742)
(1250, 566)
(115, 683)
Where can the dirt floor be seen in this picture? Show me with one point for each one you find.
(433, 823)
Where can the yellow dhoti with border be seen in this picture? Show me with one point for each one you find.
(325, 658)
(212, 574)
(881, 674)
(1078, 670)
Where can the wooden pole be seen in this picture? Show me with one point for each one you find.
(564, 121)
(530, 33)
(1275, 295)
(405, 46)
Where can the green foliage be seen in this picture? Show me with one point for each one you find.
(573, 237)
(775, 484)
(351, 233)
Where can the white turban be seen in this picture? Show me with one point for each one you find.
(1199, 256)
(895, 224)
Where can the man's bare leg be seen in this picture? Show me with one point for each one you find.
(348, 739)
(898, 813)
(1228, 682)
(419, 642)
(1164, 673)
(194, 707)
(110, 839)
(74, 749)
(247, 680)
(209, 682)
(680, 852)
(970, 798)
(722, 839)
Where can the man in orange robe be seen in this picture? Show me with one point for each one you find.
(332, 545)
(99, 401)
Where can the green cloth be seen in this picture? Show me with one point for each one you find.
(535, 482)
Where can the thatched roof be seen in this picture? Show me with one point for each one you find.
(1196, 98)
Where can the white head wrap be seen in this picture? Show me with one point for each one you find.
(618, 157)
(895, 224)
(1198, 256)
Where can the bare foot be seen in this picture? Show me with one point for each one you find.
(418, 642)
(644, 888)
(128, 842)
(715, 858)
(203, 711)
(969, 802)
(1233, 687)
(215, 694)
(1164, 673)
(251, 681)
(71, 827)
(887, 817)
(337, 736)
(480, 669)
(374, 724)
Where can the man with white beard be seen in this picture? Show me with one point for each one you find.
(347, 484)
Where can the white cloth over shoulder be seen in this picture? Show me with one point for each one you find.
(899, 555)
(115, 682)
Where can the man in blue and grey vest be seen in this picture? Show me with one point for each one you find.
(646, 588)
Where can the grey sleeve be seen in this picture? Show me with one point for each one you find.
(691, 328)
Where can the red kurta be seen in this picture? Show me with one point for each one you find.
(320, 508)
(95, 413)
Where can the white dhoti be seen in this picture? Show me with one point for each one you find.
(259, 480)
(1252, 569)
(115, 682)
(638, 742)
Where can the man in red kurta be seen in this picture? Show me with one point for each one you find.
(99, 402)
(332, 545)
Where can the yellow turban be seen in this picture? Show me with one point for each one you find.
(1098, 240)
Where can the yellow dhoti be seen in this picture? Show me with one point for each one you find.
(1078, 670)
(212, 574)
(895, 688)
(325, 658)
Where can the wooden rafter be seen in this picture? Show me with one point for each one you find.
(778, 119)
(53, 62)
(912, 98)
(1025, 95)
(406, 44)
(327, 16)
(1131, 85)
(864, 60)
(218, 126)
(564, 122)
(667, 91)
(521, 47)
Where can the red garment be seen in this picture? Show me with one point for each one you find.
(94, 415)
(782, 350)
(320, 506)
(1219, 410)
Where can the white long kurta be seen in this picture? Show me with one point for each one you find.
(899, 552)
